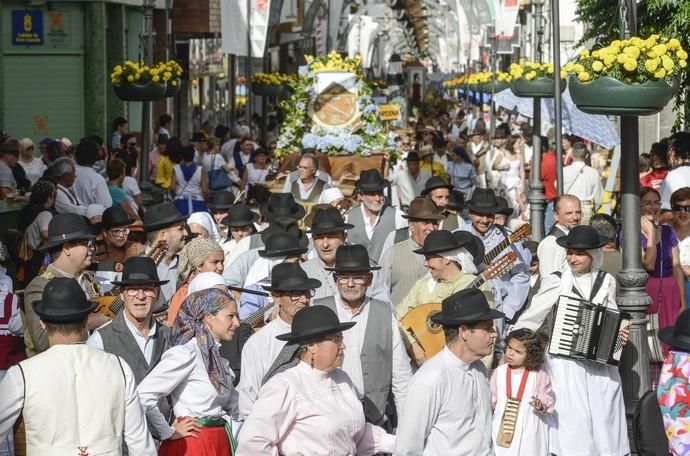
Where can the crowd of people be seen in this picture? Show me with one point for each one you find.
(208, 315)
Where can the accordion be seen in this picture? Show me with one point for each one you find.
(585, 331)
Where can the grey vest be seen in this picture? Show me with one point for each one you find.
(376, 356)
(255, 241)
(406, 269)
(118, 340)
(358, 234)
(313, 196)
(450, 223)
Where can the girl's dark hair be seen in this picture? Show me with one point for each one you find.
(188, 154)
(534, 343)
(40, 192)
(645, 190)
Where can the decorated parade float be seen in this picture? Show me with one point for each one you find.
(331, 110)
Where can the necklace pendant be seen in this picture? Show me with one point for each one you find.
(83, 451)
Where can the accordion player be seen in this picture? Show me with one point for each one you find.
(586, 331)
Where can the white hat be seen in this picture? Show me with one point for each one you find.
(66, 142)
(204, 281)
(330, 195)
(26, 143)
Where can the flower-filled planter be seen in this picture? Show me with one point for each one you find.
(634, 77)
(533, 79)
(272, 84)
(172, 88)
(136, 81)
(610, 96)
(268, 90)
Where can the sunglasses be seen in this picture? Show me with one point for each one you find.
(681, 208)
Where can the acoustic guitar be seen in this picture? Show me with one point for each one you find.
(520, 234)
(429, 335)
(110, 305)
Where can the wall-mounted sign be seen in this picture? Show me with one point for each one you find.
(389, 112)
(27, 27)
(58, 27)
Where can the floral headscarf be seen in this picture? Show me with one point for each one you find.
(189, 324)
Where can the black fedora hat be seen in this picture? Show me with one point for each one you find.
(582, 237)
(465, 306)
(282, 245)
(239, 215)
(221, 200)
(370, 180)
(115, 216)
(313, 322)
(438, 242)
(456, 200)
(678, 336)
(483, 201)
(198, 137)
(412, 156)
(422, 208)
(352, 258)
(64, 228)
(472, 244)
(291, 277)
(161, 216)
(433, 183)
(63, 300)
(328, 220)
(503, 207)
(139, 271)
(282, 205)
(285, 225)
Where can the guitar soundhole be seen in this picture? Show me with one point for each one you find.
(434, 328)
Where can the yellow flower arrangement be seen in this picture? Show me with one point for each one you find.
(140, 73)
(333, 61)
(532, 70)
(633, 61)
(273, 79)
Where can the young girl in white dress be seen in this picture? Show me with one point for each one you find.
(522, 379)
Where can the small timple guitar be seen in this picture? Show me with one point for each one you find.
(111, 305)
(521, 233)
(417, 322)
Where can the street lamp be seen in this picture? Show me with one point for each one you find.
(535, 196)
(147, 38)
(556, 43)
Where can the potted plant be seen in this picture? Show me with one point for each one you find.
(173, 82)
(532, 79)
(271, 84)
(136, 81)
(632, 77)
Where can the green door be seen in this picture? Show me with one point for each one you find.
(46, 96)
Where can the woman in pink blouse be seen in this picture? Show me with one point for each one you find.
(312, 408)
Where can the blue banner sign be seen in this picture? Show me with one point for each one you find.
(27, 27)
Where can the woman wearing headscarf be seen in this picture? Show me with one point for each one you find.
(589, 397)
(309, 405)
(196, 378)
(198, 255)
(203, 224)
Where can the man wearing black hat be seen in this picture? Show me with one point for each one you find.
(239, 223)
(118, 247)
(376, 360)
(401, 267)
(451, 268)
(373, 219)
(448, 405)
(438, 190)
(164, 225)
(510, 289)
(62, 393)
(292, 290)
(409, 181)
(134, 335)
(70, 245)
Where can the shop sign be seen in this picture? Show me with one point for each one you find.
(388, 112)
(27, 27)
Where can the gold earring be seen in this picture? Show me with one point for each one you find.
(312, 361)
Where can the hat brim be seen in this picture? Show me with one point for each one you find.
(426, 191)
(50, 244)
(353, 269)
(372, 187)
(269, 215)
(436, 250)
(482, 209)
(491, 314)
(248, 291)
(316, 332)
(282, 253)
(126, 283)
(62, 317)
(159, 225)
(118, 223)
(239, 223)
(309, 284)
(667, 336)
(563, 242)
(330, 229)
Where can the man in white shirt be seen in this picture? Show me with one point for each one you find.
(409, 181)
(89, 186)
(307, 188)
(62, 393)
(679, 177)
(584, 182)
(375, 359)
(568, 215)
(291, 290)
(66, 202)
(448, 405)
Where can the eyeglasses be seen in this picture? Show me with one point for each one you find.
(681, 208)
(119, 232)
(149, 292)
(337, 340)
(296, 295)
(357, 279)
